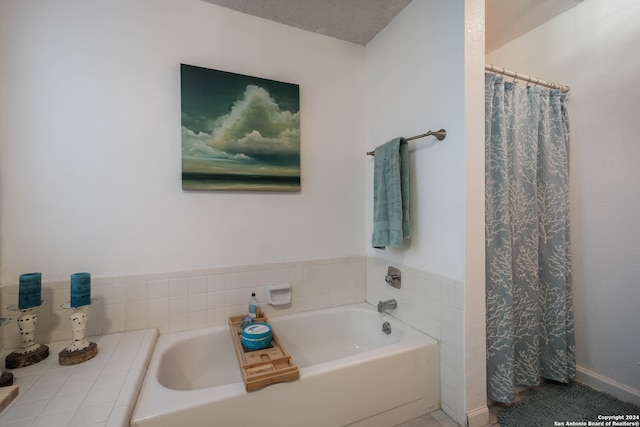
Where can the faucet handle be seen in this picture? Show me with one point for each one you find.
(393, 277)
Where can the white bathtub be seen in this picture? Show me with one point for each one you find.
(351, 373)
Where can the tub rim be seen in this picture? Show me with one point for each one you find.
(183, 400)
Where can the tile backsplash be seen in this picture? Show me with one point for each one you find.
(433, 304)
(194, 299)
(184, 300)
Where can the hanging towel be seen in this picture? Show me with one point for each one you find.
(391, 194)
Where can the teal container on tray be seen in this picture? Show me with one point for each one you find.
(256, 336)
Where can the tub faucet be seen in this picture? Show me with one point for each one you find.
(389, 304)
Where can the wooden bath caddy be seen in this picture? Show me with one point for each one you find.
(260, 368)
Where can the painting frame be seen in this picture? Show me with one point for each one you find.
(239, 132)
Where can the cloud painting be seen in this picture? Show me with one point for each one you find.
(239, 132)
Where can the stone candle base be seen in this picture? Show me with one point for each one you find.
(73, 357)
(20, 360)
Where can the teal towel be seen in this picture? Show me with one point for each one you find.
(391, 194)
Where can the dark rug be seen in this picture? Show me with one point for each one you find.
(569, 405)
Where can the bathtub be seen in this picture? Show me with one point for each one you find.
(351, 373)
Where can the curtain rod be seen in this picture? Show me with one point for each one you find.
(439, 134)
(518, 76)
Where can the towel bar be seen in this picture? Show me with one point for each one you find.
(439, 134)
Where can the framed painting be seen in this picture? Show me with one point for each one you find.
(238, 132)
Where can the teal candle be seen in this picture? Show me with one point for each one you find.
(30, 290)
(80, 289)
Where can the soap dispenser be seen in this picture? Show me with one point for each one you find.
(253, 306)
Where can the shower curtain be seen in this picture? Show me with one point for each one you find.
(528, 259)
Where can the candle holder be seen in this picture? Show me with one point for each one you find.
(30, 351)
(80, 349)
(6, 378)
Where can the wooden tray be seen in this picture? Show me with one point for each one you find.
(260, 368)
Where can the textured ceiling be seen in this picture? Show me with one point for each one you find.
(359, 21)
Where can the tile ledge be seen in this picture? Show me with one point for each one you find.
(7, 394)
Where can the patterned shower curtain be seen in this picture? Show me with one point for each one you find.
(528, 260)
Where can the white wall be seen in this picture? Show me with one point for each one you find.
(475, 359)
(594, 49)
(90, 158)
(415, 82)
(414, 78)
(90, 140)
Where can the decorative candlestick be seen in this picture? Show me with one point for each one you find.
(80, 349)
(6, 378)
(30, 351)
(29, 297)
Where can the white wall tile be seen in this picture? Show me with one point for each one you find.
(296, 273)
(234, 281)
(113, 318)
(198, 302)
(265, 277)
(178, 304)
(136, 309)
(135, 292)
(136, 324)
(178, 322)
(198, 319)
(448, 396)
(160, 323)
(157, 308)
(110, 294)
(433, 304)
(449, 336)
(158, 289)
(216, 299)
(167, 300)
(59, 297)
(216, 317)
(449, 296)
(433, 328)
(281, 275)
(198, 285)
(178, 287)
(216, 282)
(129, 280)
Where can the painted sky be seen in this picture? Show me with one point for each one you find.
(239, 124)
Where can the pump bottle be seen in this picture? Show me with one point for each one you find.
(253, 306)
